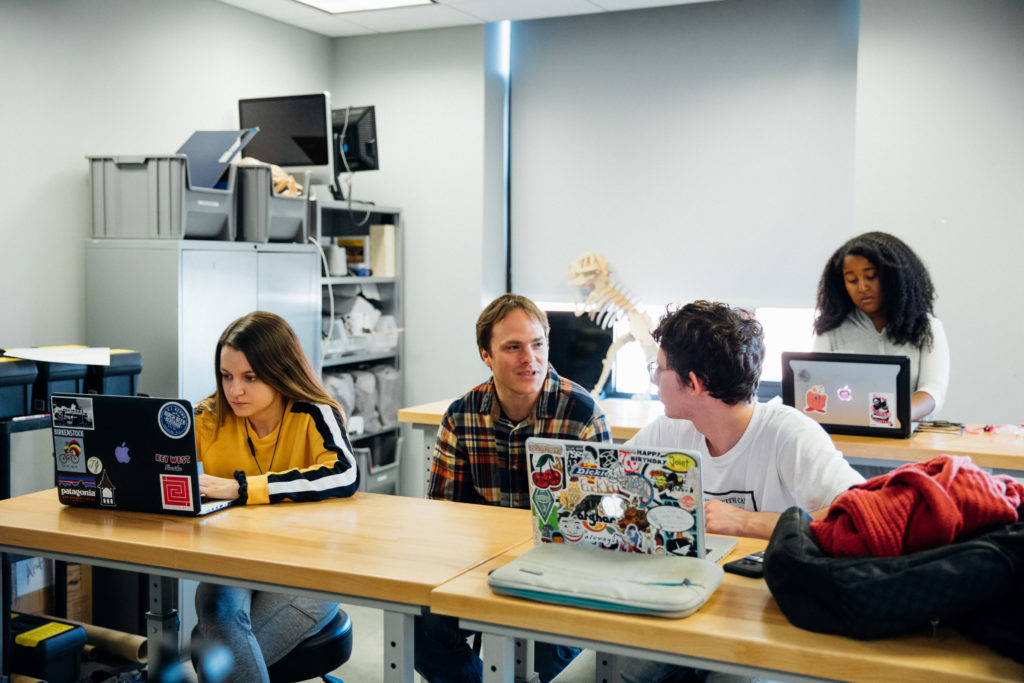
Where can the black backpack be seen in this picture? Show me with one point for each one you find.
(975, 585)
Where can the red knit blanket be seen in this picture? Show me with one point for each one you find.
(917, 506)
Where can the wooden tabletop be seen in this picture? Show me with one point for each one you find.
(625, 417)
(372, 546)
(740, 623)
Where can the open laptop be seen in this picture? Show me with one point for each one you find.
(850, 393)
(642, 500)
(132, 453)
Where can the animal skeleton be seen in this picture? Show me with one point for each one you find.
(607, 303)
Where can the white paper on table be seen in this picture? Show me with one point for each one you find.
(91, 355)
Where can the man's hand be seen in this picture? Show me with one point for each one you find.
(218, 487)
(729, 520)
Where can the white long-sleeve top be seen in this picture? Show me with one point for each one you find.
(929, 368)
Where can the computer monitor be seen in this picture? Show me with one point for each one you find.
(294, 133)
(577, 346)
(355, 139)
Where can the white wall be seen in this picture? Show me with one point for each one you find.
(435, 99)
(706, 150)
(940, 162)
(111, 77)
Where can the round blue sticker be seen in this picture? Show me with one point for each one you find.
(174, 420)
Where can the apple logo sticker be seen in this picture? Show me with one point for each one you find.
(121, 453)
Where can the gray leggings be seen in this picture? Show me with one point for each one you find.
(257, 627)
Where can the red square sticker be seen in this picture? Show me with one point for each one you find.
(176, 492)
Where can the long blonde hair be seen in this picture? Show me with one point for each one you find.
(275, 355)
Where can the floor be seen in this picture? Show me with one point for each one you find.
(366, 663)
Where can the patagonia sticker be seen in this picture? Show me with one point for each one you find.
(79, 489)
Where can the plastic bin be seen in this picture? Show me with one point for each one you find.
(45, 648)
(267, 217)
(151, 197)
(16, 379)
(119, 378)
(374, 479)
(56, 378)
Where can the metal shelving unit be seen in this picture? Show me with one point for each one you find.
(379, 465)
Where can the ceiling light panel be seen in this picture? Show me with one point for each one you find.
(342, 6)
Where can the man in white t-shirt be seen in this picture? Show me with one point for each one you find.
(758, 458)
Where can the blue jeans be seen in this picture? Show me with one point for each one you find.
(443, 655)
(257, 627)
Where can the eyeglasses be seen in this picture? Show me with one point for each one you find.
(655, 370)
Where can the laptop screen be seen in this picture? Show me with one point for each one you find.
(848, 393)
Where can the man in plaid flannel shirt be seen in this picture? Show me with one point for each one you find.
(480, 456)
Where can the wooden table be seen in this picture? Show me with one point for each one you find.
(387, 552)
(1001, 452)
(739, 630)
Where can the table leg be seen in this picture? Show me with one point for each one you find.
(499, 658)
(398, 647)
(606, 668)
(162, 626)
(5, 617)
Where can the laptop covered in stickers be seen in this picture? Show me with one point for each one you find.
(616, 497)
(134, 453)
(850, 393)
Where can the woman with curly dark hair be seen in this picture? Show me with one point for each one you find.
(875, 296)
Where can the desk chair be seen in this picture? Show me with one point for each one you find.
(316, 656)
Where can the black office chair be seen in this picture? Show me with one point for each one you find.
(316, 656)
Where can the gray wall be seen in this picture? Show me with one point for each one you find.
(940, 161)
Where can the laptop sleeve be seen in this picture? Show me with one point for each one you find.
(592, 578)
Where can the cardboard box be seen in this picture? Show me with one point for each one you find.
(382, 250)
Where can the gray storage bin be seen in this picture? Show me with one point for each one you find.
(264, 216)
(151, 197)
(376, 479)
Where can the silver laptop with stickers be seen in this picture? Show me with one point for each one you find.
(850, 393)
(616, 497)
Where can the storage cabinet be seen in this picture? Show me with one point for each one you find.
(361, 338)
(171, 299)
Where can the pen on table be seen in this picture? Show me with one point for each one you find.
(37, 416)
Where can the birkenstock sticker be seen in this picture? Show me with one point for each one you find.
(174, 420)
(176, 491)
(817, 400)
(880, 409)
(80, 489)
(70, 454)
(73, 412)
(844, 394)
(107, 491)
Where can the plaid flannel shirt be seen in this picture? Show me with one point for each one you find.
(480, 455)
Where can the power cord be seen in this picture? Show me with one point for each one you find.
(349, 173)
(330, 289)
